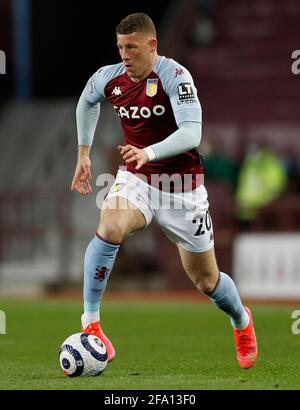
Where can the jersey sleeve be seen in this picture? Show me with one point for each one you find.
(94, 89)
(179, 86)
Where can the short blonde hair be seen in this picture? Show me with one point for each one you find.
(137, 22)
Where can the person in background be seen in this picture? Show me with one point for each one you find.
(262, 178)
(218, 166)
(204, 31)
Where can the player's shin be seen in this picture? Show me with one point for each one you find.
(98, 263)
(226, 297)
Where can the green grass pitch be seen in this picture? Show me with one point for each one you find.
(159, 346)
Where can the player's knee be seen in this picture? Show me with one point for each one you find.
(112, 231)
(206, 281)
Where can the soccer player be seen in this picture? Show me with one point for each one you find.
(156, 101)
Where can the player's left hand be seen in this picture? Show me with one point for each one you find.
(130, 153)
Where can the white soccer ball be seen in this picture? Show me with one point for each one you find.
(83, 354)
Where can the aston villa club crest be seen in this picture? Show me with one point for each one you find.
(101, 273)
(152, 85)
(117, 187)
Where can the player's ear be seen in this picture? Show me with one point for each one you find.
(153, 44)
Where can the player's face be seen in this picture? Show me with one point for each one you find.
(138, 52)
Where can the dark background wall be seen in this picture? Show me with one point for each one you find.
(70, 40)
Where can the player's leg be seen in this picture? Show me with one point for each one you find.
(117, 220)
(202, 269)
(189, 225)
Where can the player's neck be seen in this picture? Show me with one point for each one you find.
(147, 71)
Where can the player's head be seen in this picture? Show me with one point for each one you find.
(137, 43)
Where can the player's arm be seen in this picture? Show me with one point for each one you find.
(87, 115)
(185, 138)
(179, 86)
(188, 115)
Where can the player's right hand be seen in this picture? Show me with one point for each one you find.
(82, 177)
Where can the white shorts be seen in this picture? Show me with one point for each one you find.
(183, 216)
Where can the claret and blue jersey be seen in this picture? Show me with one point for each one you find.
(150, 110)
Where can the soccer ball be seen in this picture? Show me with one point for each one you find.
(83, 354)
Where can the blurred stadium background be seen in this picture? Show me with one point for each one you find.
(239, 53)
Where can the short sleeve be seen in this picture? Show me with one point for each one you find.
(94, 89)
(179, 86)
